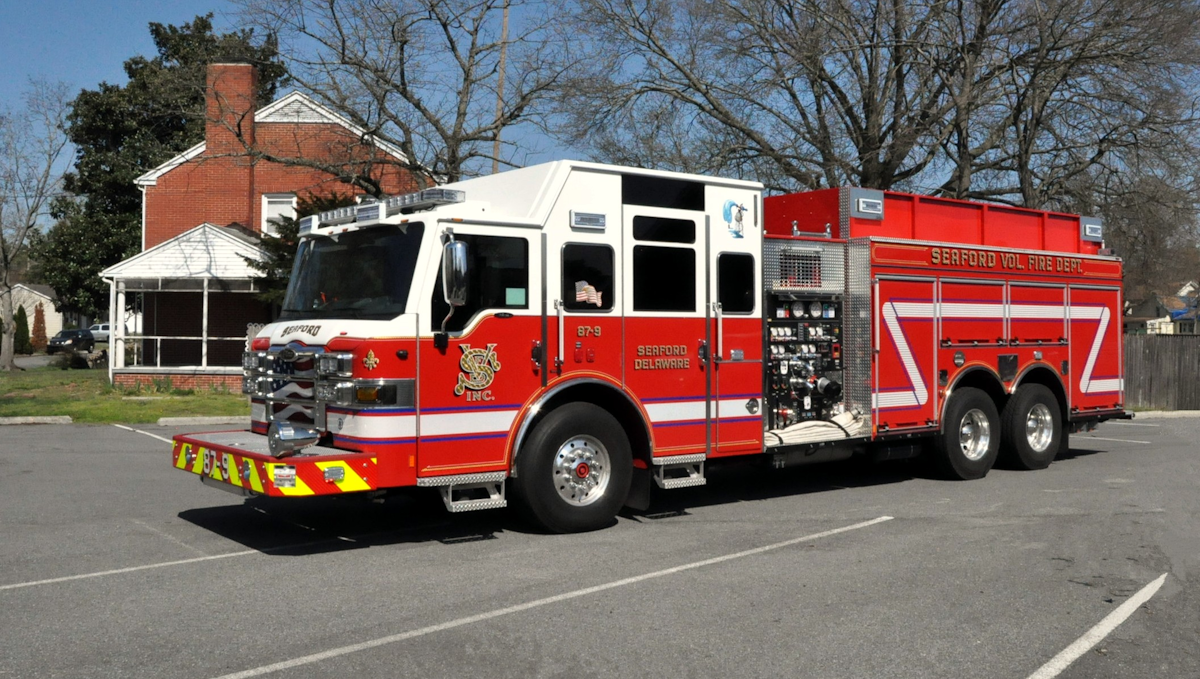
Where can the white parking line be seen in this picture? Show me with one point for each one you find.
(170, 537)
(131, 569)
(566, 596)
(153, 436)
(1101, 438)
(1102, 629)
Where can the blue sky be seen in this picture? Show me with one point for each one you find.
(84, 42)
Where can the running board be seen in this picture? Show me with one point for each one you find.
(469, 492)
(679, 471)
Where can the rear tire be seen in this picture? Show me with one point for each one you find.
(1031, 428)
(574, 470)
(969, 442)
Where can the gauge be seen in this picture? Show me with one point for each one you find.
(797, 309)
(814, 309)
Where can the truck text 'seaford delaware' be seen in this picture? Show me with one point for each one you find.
(574, 334)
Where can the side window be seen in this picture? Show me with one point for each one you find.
(499, 279)
(735, 282)
(587, 277)
(664, 278)
(664, 230)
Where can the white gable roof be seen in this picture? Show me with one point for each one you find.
(293, 108)
(207, 251)
(32, 291)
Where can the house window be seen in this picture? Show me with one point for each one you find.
(275, 206)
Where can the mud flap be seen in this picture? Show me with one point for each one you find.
(639, 490)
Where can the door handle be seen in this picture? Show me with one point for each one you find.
(719, 350)
(537, 355)
(558, 360)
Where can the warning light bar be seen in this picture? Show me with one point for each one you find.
(371, 211)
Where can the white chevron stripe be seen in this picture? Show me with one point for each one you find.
(892, 312)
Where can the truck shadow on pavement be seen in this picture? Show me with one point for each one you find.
(307, 526)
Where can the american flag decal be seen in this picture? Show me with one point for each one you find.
(586, 293)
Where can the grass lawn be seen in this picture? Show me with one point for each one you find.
(86, 396)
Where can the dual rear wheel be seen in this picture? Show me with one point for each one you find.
(1027, 434)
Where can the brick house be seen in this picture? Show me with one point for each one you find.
(206, 209)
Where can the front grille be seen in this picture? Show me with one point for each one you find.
(290, 394)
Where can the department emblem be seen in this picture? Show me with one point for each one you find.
(479, 367)
(732, 212)
(369, 361)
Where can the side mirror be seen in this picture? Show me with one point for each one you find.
(454, 273)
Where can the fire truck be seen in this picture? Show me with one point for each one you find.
(572, 335)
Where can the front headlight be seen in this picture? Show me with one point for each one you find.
(335, 364)
(250, 385)
(368, 393)
(251, 360)
(341, 393)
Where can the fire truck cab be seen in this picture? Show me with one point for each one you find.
(571, 334)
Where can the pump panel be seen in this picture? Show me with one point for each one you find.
(804, 357)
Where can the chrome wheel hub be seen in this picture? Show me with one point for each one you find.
(1039, 428)
(581, 470)
(974, 434)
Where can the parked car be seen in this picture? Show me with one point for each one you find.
(100, 331)
(72, 340)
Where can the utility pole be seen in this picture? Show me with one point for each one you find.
(500, 88)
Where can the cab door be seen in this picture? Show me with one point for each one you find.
(471, 390)
(666, 331)
(735, 317)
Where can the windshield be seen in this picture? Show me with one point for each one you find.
(359, 274)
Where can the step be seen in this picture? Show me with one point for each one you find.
(469, 492)
(679, 471)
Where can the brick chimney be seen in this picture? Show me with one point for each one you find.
(229, 107)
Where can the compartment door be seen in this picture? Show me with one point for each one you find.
(905, 355)
(1096, 368)
(666, 334)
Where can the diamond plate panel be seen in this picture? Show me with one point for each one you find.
(856, 327)
(844, 212)
(804, 266)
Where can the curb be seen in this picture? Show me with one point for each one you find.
(37, 419)
(1165, 414)
(191, 421)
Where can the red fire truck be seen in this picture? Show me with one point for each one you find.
(573, 334)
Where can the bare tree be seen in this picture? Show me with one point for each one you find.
(31, 143)
(1091, 86)
(1006, 100)
(422, 75)
(809, 93)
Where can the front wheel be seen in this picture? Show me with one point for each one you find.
(1031, 427)
(970, 439)
(574, 470)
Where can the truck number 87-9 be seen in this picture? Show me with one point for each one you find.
(588, 331)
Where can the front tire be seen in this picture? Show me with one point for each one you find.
(970, 439)
(574, 470)
(1031, 428)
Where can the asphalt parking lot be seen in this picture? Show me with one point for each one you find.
(114, 564)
